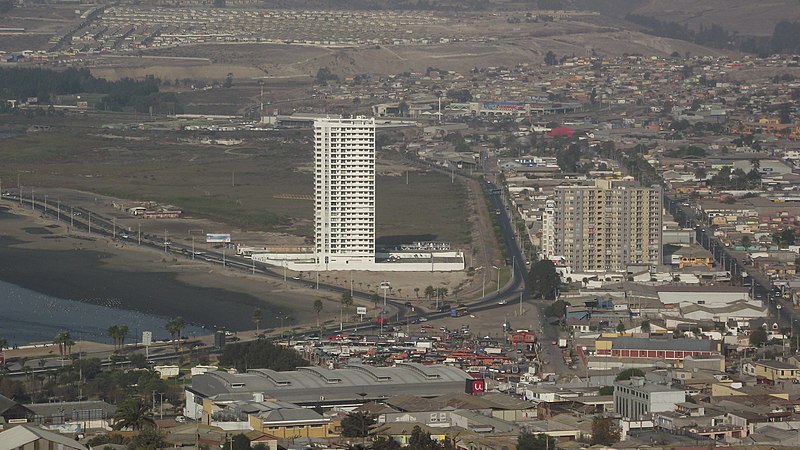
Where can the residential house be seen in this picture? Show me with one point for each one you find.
(775, 370)
(31, 437)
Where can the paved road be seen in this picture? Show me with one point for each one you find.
(780, 308)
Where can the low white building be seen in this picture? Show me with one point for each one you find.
(636, 399)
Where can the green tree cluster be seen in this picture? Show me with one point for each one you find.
(260, 354)
(605, 431)
(175, 327)
(556, 310)
(324, 75)
(123, 94)
(787, 236)
(422, 440)
(531, 441)
(569, 158)
(133, 414)
(117, 333)
(550, 58)
(628, 373)
(758, 337)
(358, 424)
(459, 95)
(544, 280)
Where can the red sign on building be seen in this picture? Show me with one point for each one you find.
(476, 386)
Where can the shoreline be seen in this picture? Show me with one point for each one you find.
(95, 269)
(38, 254)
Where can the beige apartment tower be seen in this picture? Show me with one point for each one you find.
(344, 193)
(604, 227)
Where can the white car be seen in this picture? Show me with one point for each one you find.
(502, 302)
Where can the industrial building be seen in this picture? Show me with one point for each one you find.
(317, 386)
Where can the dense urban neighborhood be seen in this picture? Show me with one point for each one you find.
(563, 247)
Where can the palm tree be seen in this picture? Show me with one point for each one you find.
(416, 291)
(64, 342)
(3, 344)
(645, 327)
(256, 317)
(133, 414)
(318, 309)
(174, 328)
(113, 333)
(123, 332)
(430, 292)
(347, 299)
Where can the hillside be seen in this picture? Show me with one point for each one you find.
(745, 17)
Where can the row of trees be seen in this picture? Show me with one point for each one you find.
(785, 38)
(432, 292)
(45, 84)
(117, 333)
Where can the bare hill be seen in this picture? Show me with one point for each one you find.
(746, 17)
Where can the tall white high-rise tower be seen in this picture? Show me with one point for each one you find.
(344, 193)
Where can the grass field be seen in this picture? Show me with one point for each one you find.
(236, 186)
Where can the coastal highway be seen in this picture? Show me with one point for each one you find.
(90, 221)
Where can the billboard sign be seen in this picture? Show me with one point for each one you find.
(212, 238)
(475, 386)
(361, 310)
(147, 338)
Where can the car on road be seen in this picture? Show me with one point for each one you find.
(502, 302)
(408, 305)
(180, 419)
(553, 342)
(423, 319)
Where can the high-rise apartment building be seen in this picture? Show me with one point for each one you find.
(604, 227)
(344, 193)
